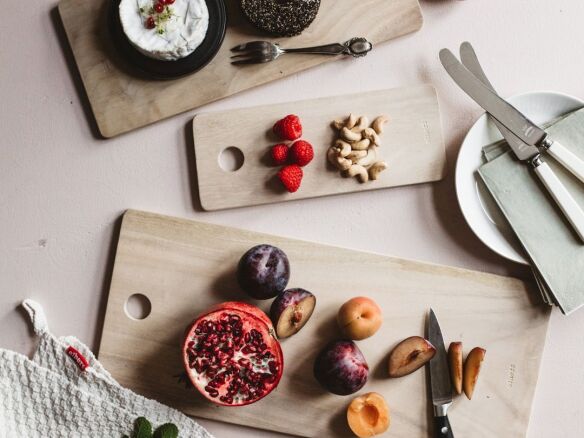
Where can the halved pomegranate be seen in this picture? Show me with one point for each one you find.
(231, 354)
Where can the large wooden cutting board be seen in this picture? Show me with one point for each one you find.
(412, 146)
(183, 267)
(122, 101)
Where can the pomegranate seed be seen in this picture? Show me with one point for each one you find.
(247, 338)
(169, 2)
(150, 23)
(246, 349)
(273, 367)
(263, 347)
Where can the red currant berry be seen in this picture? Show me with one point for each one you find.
(168, 2)
(159, 8)
(150, 23)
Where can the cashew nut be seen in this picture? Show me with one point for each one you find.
(343, 163)
(343, 147)
(349, 135)
(356, 155)
(378, 123)
(363, 122)
(371, 135)
(359, 171)
(338, 124)
(332, 155)
(361, 145)
(370, 158)
(376, 169)
(351, 121)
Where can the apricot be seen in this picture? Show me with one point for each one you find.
(359, 318)
(368, 415)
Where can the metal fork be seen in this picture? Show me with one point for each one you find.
(256, 52)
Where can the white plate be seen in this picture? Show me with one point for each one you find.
(479, 209)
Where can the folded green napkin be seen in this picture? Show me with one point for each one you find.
(556, 252)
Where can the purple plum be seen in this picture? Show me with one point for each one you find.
(263, 272)
(341, 368)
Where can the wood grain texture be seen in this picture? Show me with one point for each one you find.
(184, 267)
(412, 146)
(123, 101)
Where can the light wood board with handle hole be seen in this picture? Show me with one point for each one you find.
(183, 267)
(122, 101)
(412, 146)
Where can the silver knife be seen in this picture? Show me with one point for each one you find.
(520, 125)
(523, 137)
(470, 60)
(440, 383)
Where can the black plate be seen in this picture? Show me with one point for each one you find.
(172, 69)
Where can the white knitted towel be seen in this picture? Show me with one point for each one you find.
(64, 392)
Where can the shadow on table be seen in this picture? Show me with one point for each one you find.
(106, 282)
(73, 71)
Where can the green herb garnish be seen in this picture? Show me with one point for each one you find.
(143, 429)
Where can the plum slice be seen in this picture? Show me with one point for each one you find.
(291, 310)
(409, 355)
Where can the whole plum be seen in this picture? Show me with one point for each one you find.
(341, 368)
(263, 271)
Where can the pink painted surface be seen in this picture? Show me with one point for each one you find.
(62, 190)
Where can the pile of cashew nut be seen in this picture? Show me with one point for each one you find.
(355, 151)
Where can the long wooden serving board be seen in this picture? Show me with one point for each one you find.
(183, 267)
(122, 101)
(412, 146)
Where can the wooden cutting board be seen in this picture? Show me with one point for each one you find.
(183, 267)
(412, 146)
(122, 101)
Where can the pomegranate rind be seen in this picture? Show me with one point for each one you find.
(257, 318)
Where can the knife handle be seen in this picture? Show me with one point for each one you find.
(569, 207)
(442, 427)
(567, 159)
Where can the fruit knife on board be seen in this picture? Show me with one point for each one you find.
(440, 384)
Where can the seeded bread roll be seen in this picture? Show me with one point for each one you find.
(280, 17)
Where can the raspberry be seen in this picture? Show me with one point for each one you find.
(291, 177)
(280, 153)
(288, 128)
(301, 153)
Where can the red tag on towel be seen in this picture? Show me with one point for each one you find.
(78, 358)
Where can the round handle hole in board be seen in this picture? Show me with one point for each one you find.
(231, 159)
(138, 307)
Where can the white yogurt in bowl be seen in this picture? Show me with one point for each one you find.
(166, 30)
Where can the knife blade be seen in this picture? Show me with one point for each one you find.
(471, 62)
(499, 108)
(440, 384)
